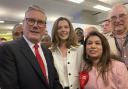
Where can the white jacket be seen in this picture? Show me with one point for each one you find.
(74, 59)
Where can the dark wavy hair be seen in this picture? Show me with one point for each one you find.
(105, 61)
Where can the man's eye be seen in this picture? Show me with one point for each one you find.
(41, 22)
(31, 20)
(113, 17)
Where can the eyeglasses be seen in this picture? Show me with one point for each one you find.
(120, 16)
(31, 22)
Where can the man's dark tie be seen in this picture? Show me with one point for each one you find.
(39, 59)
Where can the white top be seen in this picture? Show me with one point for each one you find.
(31, 45)
(73, 63)
(66, 82)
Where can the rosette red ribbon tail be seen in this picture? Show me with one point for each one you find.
(84, 77)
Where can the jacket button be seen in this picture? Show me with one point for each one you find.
(70, 85)
(68, 62)
(69, 74)
(68, 51)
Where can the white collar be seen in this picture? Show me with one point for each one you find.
(30, 43)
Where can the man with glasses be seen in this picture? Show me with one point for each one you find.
(25, 63)
(119, 38)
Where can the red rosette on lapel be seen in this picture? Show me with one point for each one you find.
(84, 77)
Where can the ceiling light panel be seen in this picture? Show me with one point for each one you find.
(100, 7)
(1, 21)
(76, 1)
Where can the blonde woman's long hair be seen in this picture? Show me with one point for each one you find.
(72, 39)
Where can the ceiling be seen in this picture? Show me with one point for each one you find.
(12, 11)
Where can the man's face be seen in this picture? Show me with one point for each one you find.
(34, 25)
(119, 19)
(80, 34)
(17, 33)
(106, 25)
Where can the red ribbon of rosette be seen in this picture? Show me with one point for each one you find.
(84, 77)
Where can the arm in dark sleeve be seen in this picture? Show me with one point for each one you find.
(57, 83)
(8, 74)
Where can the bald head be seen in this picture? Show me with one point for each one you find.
(88, 30)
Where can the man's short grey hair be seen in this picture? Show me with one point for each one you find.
(36, 8)
(120, 5)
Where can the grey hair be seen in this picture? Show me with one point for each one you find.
(36, 8)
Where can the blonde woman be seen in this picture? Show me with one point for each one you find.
(67, 53)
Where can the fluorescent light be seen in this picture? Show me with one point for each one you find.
(100, 7)
(3, 26)
(1, 21)
(76, 1)
(20, 23)
(9, 27)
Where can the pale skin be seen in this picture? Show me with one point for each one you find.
(119, 20)
(34, 33)
(63, 34)
(106, 25)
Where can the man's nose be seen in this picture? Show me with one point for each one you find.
(117, 19)
(35, 24)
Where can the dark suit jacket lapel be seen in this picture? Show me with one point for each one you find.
(26, 50)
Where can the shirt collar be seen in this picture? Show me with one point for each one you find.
(30, 43)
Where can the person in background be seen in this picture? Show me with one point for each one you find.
(107, 32)
(88, 30)
(2, 40)
(25, 63)
(46, 32)
(17, 31)
(119, 37)
(80, 35)
(104, 72)
(106, 27)
(46, 40)
(67, 53)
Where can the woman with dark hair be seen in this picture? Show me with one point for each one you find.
(67, 53)
(104, 72)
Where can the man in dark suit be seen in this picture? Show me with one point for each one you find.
(19, 67)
